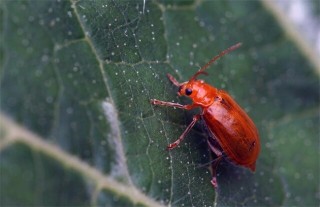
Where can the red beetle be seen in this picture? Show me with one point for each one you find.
(231, 131)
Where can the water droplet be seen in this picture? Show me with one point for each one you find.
(44, 58)
(69, 110)
(49, 99)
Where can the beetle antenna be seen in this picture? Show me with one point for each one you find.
(201, 71)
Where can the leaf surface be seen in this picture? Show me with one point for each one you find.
(76, 80)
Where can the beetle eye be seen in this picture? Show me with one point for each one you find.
(188, 91)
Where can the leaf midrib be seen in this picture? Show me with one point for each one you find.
(15, 133)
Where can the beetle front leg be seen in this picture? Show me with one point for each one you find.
(171, 104)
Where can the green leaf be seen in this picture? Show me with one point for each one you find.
(76, 80)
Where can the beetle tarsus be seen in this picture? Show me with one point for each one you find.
(153, 101)
(173, 145)
(214, 182)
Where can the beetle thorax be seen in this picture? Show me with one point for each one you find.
(201, 93)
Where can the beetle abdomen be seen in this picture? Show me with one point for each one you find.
(234, 130)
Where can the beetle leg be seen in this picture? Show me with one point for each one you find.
(177, 142)
(177, 105)
(173, 80)
(214, 167)
(215, 148)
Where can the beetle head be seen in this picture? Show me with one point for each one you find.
(198, 91)
(190, 88)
